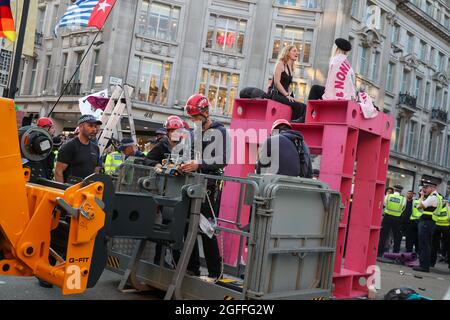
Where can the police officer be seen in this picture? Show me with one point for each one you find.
(129, 148)
(113, 161)
(412, 232)
(431, 204)
(442, 231)
(197, 107)
(394, 205)
(160, 134)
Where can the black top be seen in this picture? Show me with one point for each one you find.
(82, 159)
(159, 152)
(286, 78)
(406, 215)
(288, 157)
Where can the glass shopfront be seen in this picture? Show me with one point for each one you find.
(398, 176)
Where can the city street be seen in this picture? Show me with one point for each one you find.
(432, 285)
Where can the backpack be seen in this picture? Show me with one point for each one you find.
(252, 93)
(306, 170)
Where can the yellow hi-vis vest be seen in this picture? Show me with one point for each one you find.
(416, 213)
(112, 162)
(394, 205)
(437, 210)
(442, 216)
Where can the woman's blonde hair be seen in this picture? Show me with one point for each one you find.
(284, 56)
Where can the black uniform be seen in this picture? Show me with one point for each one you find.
(210, 246)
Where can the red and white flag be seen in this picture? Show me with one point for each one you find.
(100, 13)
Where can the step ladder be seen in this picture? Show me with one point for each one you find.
(111, 118)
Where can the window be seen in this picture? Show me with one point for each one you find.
(405, 81)
(412, 128)
(375, 66)
(390, 77)
(299, 37)
(447, 22)
(41, 20)
(426, 101)
(5, 60)
(423, 50)
(447, 152)
(410, 42)
(95, 67)
(441, 62)
(47, 71)
(308, 4)
(160, 21)
(430, 145)
(226, 34)
(429, 8)
(299, 90)
(154, 80)
(445, 102)
(79, 55)
(418, 87)
(432, 56)
(221, 90)
(395, 35)
(33, 77)
(363, 60)
(64, 70)
(55, 15)
(421, 139)
(437, 98)
(397, 134)
(355, 7)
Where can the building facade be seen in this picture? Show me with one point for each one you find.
(171, 49)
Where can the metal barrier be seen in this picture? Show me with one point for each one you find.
(286, 263)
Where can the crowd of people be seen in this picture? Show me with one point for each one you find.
(424, 222)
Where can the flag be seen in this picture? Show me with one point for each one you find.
(7, 29)
(87, 108)
(86, 13)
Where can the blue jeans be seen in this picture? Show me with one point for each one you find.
(426, 230)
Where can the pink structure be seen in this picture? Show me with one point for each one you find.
(353, 150)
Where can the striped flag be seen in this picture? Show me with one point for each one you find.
(7, 29)
(86, 13)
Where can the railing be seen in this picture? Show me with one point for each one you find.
(439, 115)
(74, 89)
(408, 100)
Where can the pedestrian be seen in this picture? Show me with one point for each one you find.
(129, 149)
(197, 107)
(406, 216)
(160, 133)
(412, 233)
(339, 62)
(281, 89)
(442, 231)
(80, 157)
(113, 160)
(431, 204)
(281, 153)
(394, 205)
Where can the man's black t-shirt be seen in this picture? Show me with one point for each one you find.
(82, 159)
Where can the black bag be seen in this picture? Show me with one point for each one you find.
(252, 93)
(399, 294)
(306, 170)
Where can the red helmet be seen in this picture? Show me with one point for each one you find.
(173, 123)
(196, 104)
(280, 122)
(45, 122)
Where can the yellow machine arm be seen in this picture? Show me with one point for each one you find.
(29, 212)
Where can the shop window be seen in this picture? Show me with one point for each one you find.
(153, 80)
(226, 34)
(221, 90)
(300, 37)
